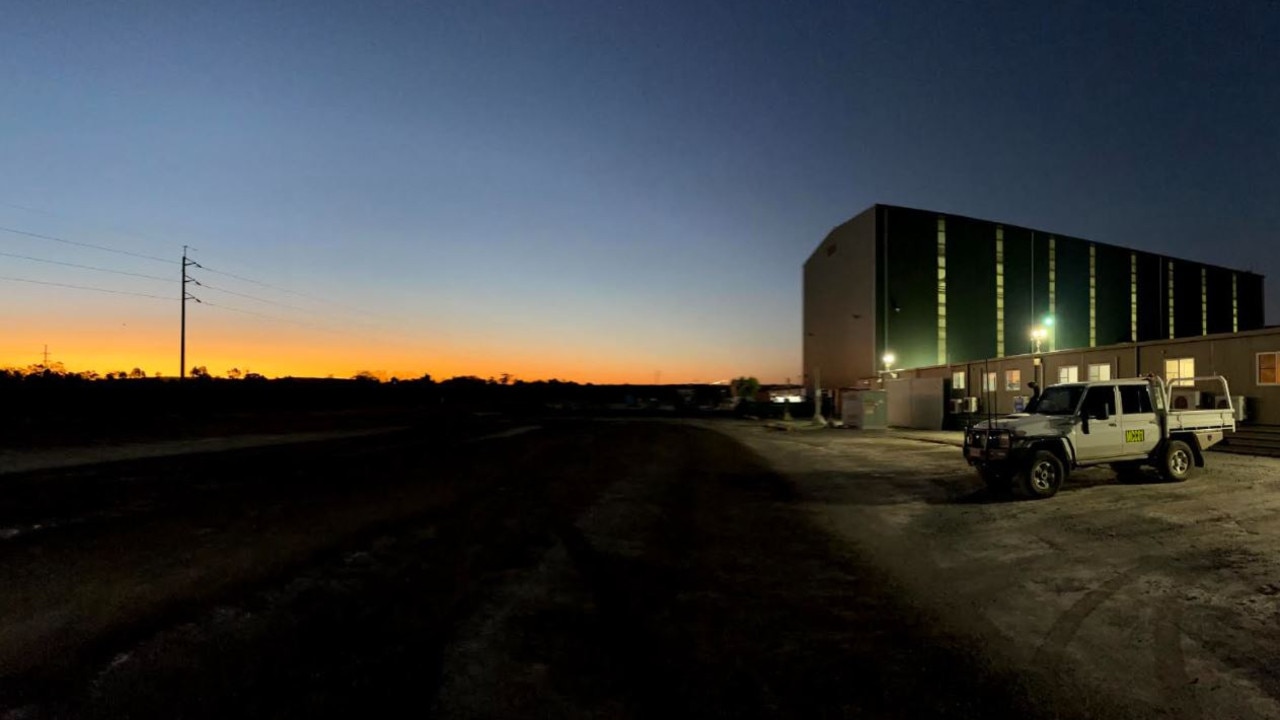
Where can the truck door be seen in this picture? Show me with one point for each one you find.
(1104, 439)
(1138, 420)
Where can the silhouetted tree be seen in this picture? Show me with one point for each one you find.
(234, 373)
(745, 387)
(200, 371)
(137, 373)
(50, 370)
(365, 376)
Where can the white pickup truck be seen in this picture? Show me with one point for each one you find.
(1125, 423)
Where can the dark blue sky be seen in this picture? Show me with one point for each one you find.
(604, 191)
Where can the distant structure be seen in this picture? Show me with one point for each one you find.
(900, 288)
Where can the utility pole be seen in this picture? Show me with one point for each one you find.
(46, 356)
(182, 342)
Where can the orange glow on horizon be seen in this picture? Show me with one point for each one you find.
(120, 335)
(317, 355)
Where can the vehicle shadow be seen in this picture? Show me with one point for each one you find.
(967, 492)
(974, 492)
(1104, 476)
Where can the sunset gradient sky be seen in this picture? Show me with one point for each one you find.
(602, 192)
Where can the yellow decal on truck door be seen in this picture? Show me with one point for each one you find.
(1134, 436)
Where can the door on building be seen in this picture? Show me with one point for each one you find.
(1103, 439)
(1138, 421)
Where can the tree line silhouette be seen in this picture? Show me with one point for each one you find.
(50, 402)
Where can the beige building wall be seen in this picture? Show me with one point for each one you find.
(1234, 356)
(840, 306)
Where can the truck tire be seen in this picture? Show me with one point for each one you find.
(1043, 475)
(1177, 461)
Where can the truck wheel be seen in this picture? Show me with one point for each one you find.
(1178, 463)
(1043, 476)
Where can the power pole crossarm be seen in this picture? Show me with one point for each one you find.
(182, 335)
(182, 338)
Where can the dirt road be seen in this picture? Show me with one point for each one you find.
(618, 569)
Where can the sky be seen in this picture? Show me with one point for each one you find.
(592, 191)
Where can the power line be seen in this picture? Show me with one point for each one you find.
(165, 260)
(256, 298)
(105, 225)
(265, 316)
(83, 287)
(145, 256)
(285, 290)
(85, 245)
(85, 267)
(361, 324)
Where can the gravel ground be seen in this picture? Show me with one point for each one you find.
(1167, 595)
(631, 569)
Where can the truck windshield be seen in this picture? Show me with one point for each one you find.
(1059, 400)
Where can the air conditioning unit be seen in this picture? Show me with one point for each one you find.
(1237, 407)
(1183, 398)
(970, 405)
(957, 406)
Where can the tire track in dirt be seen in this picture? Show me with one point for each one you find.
(1171, 663)
(1050, 653)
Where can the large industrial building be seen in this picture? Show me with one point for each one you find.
(988, 307)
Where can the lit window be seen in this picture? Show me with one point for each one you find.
(1093, 295)
(999, 291)
(1175, 368)
(988, 382)
(1069, 374)
(942, 290)
(1268, 365)
(1204, 301)
(957, 380)
(1133, 297)
(1099, 372)
(1235, 305)
(1053, 276)
(1012, 379)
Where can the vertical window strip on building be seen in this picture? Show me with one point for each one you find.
(1133, 297)
(1053, 278)
(1171, 325)
(1093, 295)
(999, 291)
(942, 290)
(1204, 301)
(1235, 306)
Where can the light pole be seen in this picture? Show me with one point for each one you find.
(1038, 334)
(1047, 325)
